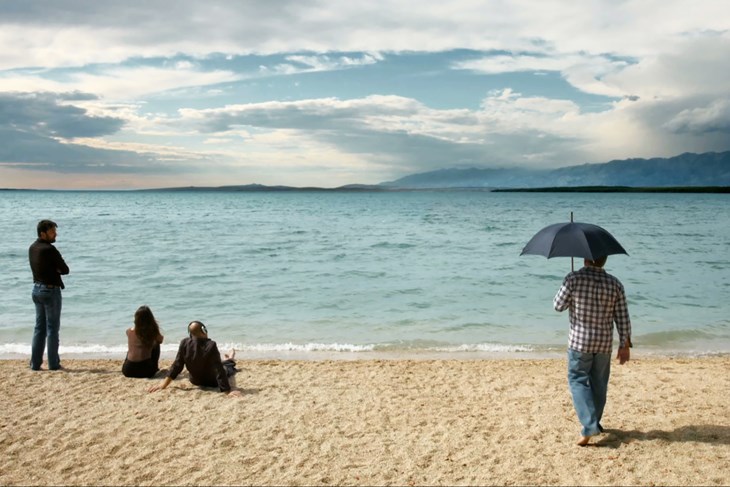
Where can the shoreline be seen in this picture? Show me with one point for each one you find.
(365, 422)
(348, 356)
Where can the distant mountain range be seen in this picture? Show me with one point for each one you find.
(707, 169)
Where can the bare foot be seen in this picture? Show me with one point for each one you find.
(231, 355)
(583, 440)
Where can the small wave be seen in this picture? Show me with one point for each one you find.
(12, 349)
(545, 277)
(647, 346)
(444, 347)
(390, 245)
(409, 291)
(24, 349)
(675, 336)
(370, 274)
(478, 325)
(12, 255)
(294, 347)
(90, 349)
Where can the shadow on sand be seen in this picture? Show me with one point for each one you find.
(243, 391)
(704, 433)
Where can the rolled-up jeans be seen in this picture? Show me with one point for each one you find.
(588, 375)
(47, 324)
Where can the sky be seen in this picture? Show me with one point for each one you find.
(146, 94)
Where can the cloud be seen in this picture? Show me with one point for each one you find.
(76, 33)
(137, 79)
(118, 82)
(605, 47)
(714, 117)
(508, 129)
(680, 70)
(298, 63)
(583, 71)
(316, 114)
(404, 134)
(689, 66)
(665, 103)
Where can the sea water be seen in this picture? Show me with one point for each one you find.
(352, 274)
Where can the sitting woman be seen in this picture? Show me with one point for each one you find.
(143, 345)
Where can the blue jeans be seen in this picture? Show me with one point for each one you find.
(47, 323)
(588, 380)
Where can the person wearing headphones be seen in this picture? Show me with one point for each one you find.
(200, 355)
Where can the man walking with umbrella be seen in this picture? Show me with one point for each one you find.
(596, 301)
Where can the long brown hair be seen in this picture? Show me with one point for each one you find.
(145, 325)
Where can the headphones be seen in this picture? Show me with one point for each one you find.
(205, 330)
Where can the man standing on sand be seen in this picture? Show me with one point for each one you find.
(47, 266)
(201, 357)
(596, 300)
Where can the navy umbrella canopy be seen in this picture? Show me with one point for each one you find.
(573, 239)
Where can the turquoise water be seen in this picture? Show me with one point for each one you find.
(407, 272)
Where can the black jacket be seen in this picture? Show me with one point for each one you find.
(46, 263)
(201, 357)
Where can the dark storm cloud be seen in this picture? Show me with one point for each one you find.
(43, 114)
(32, 127)
(35, 151)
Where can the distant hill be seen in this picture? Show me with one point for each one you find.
(707, 169)
(261, 188)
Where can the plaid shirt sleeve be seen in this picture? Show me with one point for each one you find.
(621, 318)
(562, 299)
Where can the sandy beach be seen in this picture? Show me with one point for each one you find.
(365, 422)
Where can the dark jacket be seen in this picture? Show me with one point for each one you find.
(203, 361)
(46, 263)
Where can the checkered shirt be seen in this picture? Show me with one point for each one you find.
(596, 300)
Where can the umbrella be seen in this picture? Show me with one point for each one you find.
(573, 239)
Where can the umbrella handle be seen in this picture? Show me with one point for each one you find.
(572, 265)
